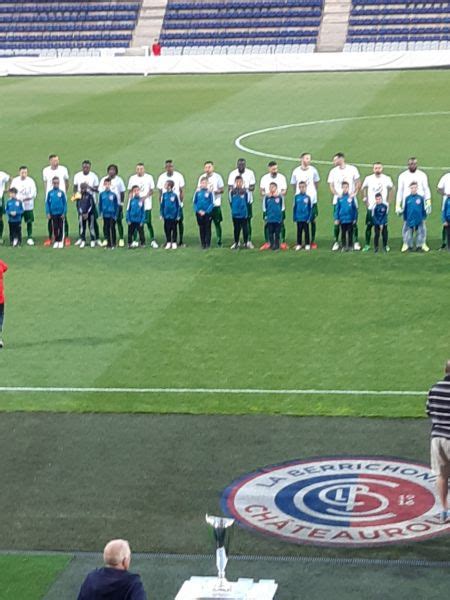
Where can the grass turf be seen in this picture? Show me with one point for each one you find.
(190, 319)
(71, 482)
(29, 577)
(163, 577)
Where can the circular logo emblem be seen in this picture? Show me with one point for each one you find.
(338, 501)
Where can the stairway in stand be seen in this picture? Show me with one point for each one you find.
(334, 26)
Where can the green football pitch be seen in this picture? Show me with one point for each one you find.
(345, 327)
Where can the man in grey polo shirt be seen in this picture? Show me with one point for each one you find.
(438, 409)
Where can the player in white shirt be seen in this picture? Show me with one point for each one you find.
(26, 193)
(54, 169)
(377, 183)
(309, 174)
(339, 173)
(215, 185)
(273, 176)
(405, 179)
(443, 188)
(249, 181)
(4, 179)
(118, 187)
(146, 185)
(87, 176)
(178, 188)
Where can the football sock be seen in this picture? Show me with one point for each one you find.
(181, 231)
(313, 232)
(249, 221)
(50, 229)
(368, 234)
(29, 230)
(336, 233)
(2, 227)
(120, 228)
(218, 227)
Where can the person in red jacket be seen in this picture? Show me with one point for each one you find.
(3, 269)
(156, 48)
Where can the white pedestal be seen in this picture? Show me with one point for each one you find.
(202, 588)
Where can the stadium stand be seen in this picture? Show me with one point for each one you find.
(31, 27)
(398, 25)
(248, 26)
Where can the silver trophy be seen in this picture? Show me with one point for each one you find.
(222, 533)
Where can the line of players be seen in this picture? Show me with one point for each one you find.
(106, 198)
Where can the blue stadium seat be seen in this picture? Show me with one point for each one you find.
(49, 24)
(398, 21)
(241, 23)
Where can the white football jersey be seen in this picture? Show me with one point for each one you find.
(337, 175)
(4, 178)
(48, 173)
(26, 191)
(248, 177)
(117, 186)
(403, 188)
(215, 183)
(444, 184)
(146, 187)
(377, 184)
(176, 177)
(310, 176)
(91, 179)
(267, 179)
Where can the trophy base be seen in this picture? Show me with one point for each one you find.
(202, 588)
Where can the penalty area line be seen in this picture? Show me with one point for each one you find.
(223, 391)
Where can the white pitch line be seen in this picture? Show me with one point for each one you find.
(253, 391)
(238, 140)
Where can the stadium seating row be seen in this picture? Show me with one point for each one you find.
(253, 12)
(399, 21)
(410, 4)
(36, 27)
(235, 35)
(58, 37)
(232, 4)
(397, 46)
(263, 23)
(46, 45)
(66, 17)
(68, 6)
(362, 10)
(407, 37)
(237, 41)
(400, 30)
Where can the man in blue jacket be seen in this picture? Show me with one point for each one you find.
(414, 215)
(56, 209)
(113, 581)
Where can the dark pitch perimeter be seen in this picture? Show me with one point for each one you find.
(71, 482)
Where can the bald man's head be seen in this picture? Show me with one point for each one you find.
(447, 367)
(117, 554)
